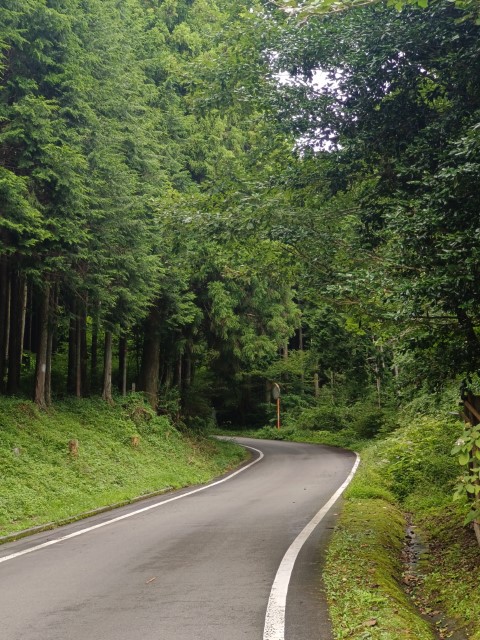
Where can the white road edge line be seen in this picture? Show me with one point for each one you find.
(275, 616)
(134, 513)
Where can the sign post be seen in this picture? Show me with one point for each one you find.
(276, 396)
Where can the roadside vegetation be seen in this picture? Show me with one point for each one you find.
(404, 479)
(82, 455)
(403, 561)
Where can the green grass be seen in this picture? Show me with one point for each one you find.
(410, 470)
(363, 575)
(451, 571)
(41, 481)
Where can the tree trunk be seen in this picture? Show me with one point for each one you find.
(316, 386)
(23, 307)
(16, 338)
(72, 343)
(188, 370)
(122, 364)
(151, 357)
(138, 352)
(180, 372)
(83, 350)
(94, 354)
(77, 349)
(107, 369)
(4, 317)
(42, 347)
(476, 528)
(168, 377)
(78, 359)
(7, 319)
(473, 342)
(376, 368)
(300, 348)
(268, 392)
(48, 376)
(51, 334)
(28, 340)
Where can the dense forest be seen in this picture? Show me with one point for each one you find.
(201, 197)
(128, 231)
(167, 197)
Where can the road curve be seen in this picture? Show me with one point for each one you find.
(200, 566)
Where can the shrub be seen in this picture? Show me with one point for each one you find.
(272, 433)
(369, 421)
(199, 424)
(418, 456)
(294, 404)
(321, 418)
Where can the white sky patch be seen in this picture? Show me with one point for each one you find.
(320, 80)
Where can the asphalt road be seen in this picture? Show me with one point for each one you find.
(200, 567)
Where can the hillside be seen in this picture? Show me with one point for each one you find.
(124, 451)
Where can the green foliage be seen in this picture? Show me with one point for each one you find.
(272, 433)
(390, 153)
(412, 465)
(452, 572)
(321, 418)
(417, 457)
(425, 402)
(315, 8)
(369, 421)
(42, 482)
(467, 452)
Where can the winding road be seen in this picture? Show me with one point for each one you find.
(206, 563)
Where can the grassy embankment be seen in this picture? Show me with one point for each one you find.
(404, 475)
(409, 472)
(123, 452)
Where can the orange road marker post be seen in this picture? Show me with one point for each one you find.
(276, 396)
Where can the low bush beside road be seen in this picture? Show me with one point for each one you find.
(406, 481)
